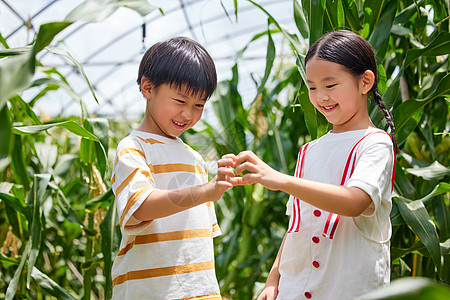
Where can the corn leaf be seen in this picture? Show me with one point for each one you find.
(435, 171)
(410, 288)
(66, 54)
(352, 14)
(383, 23)
(408, 12)
(300, 20)
(315, 13)
(406, 111)
(416, 216)
(14, 51)
(97, 11)
(5, 132)
(292, 38)
(334, 17)
(51, 287)
(69, 125)
(14, 203)
(16, 73)
(46, 34)
(18, 164)
(35, 198)
(439, 46)
(26, 108)
(270, 57)
(110, 240)
(95, 151)
(11, 290)
(231, 114)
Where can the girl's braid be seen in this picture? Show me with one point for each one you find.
(387, 115)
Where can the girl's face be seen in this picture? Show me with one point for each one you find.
(338, 95)
(170, 111)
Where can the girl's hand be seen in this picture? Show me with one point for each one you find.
(259, 171)
(268, 293)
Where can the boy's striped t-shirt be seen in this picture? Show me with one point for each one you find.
(170, 257)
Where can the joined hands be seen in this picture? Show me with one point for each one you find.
(257, 171)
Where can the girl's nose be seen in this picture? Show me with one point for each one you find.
(323, 96)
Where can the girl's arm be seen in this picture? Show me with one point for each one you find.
(270, 290)
(163, 203)
(346, 201)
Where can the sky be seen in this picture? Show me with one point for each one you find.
(110, 51)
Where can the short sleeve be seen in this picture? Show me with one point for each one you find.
(374, 169)
(132, 182)
(373, 174)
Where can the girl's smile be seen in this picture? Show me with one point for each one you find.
(329, 108)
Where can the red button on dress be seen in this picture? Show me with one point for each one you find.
(308, 295)
(315, 264)
(317, 213)
(315, 239)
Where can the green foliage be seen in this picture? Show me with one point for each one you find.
(59, 225)
(411, 41)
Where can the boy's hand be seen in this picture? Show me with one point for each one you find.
(225, 171)
(222, 181)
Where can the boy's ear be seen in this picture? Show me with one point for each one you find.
(146, 87)
(366, 82)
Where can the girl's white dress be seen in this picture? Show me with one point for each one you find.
(353, 258)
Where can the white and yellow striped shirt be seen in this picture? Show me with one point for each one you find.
(170, 257)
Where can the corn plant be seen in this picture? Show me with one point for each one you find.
(411, 41)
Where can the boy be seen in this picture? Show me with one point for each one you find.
(164, 199)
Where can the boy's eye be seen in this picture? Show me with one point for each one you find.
(331, 85)
(312, 88)
(179, 101)
(199, 105)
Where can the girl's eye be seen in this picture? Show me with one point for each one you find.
(312, 88)
(331, 85)
(179, 101)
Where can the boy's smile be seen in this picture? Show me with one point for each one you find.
(179, 125)
(170, 111)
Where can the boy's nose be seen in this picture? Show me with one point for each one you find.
(187, 113)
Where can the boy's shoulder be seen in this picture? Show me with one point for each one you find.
(145, 140)
(142, 138)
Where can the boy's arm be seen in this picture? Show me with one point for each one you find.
(163, 203)
(270, 290)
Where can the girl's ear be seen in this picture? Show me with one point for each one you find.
(366, 82)
(146, 87)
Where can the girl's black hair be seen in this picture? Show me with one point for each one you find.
(356, 55)
(179, 62)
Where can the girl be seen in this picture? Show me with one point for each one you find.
(337, 243)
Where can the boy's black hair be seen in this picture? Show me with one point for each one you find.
(356, 55)
(179, 62)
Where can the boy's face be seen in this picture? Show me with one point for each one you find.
(170, 111)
